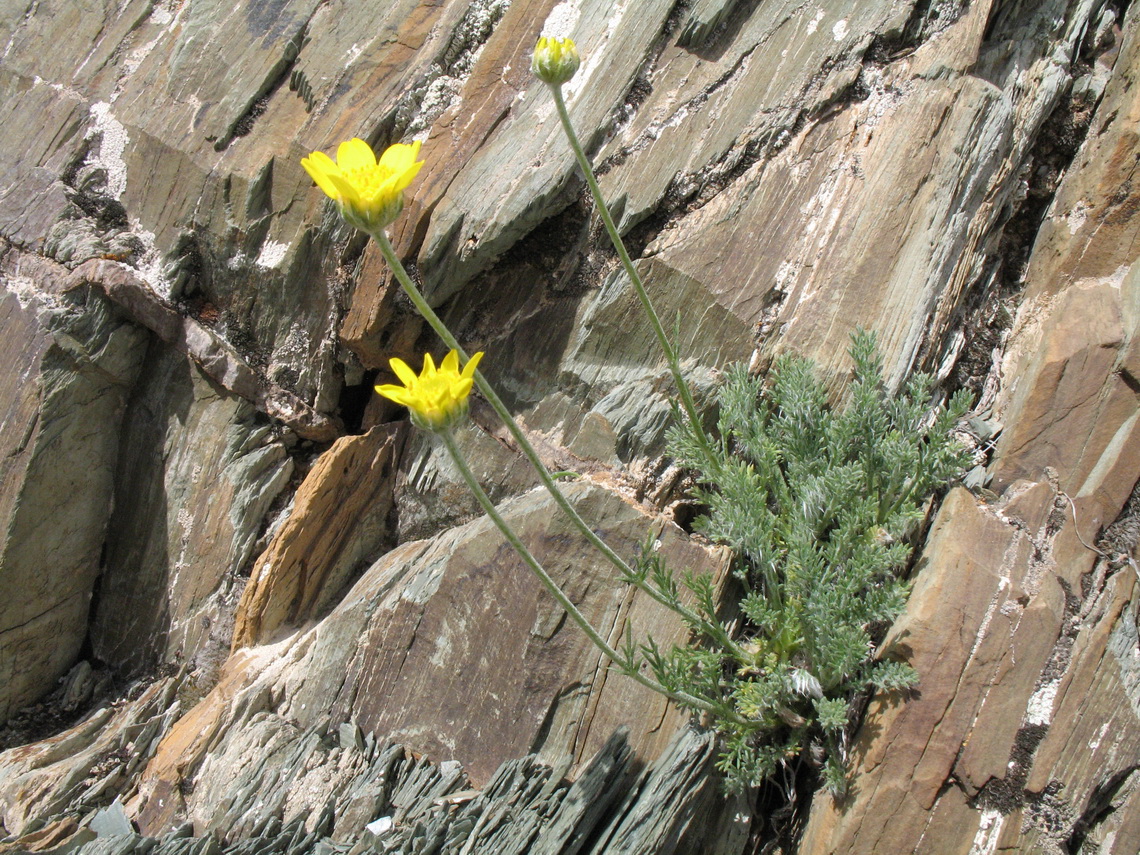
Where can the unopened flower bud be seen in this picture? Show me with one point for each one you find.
(555, 60)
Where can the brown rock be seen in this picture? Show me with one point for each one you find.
(1001, 747)
(213, 354)
(160, 792)
(1092, 747)
(79, 769)
(785, 172)
(196, 479)
(433, 622)
(339, 517)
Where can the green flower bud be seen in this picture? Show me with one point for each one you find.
(555, 60)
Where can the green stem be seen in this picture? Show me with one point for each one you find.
(496, 403)
(627, 667)
(631, 271)
(528, 450)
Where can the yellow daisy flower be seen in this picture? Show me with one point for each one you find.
(370, 192)
(437, 397)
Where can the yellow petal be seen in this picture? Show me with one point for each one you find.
(472, 364)
(450, 363)
(429, 367)
(386, 189)
(407, 176)
(345, 190)
(355, 154)
(319, 166)
(395, 393)
(403, 371)
(399, 157)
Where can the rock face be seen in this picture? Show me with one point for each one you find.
(408, 649)
(71, 364)
(1026, 736)
(199, 499)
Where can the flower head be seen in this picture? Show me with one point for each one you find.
(437, 397)
(555, 60)
(370, 192)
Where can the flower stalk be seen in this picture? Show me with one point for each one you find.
(667, 347)
(627, 572)
(626, 665)
(369, 194)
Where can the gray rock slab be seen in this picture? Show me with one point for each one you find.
(71, 362)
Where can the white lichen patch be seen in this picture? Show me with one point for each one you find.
(839, 31)
(1077, 217)
(562, 22)
(149, 266)
(883, 98)
(164, 15)
(453, 632)
(271, 255)
(113, 142)
(66, 91)
(1094, 743)
(787, 273)
(1040, 707)
(438, 97)
(989, 829)
(440, 88)
(813, 24)
(28, 293)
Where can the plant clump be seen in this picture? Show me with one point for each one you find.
(820, 507)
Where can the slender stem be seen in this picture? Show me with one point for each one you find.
(631, 271)
(528, 450)
(496, 403)
(627, 667)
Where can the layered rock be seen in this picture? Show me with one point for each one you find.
(1025, 735)
(452, 648)
(378, 797)
(70, 365)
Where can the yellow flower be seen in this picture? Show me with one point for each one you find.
(370, 193)
(437, 398)
(555, 60)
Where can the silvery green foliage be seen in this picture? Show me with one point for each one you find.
(820, 507)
